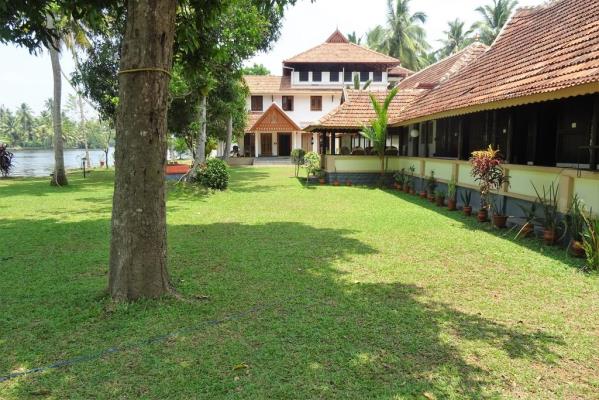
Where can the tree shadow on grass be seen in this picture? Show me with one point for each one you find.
(472, 224)
(318, 333)
(42, 187)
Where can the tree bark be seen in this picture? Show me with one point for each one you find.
(229, 138)
(201, 144)
(138, 244)
(60, 177)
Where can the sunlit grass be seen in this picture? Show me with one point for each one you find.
(321, 292)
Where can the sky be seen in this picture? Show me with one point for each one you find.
(28, 78)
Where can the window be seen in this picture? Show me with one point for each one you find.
(377, 76)
(316, 76)
(257, 103)
(315, 103)
(364, 76)
(304, 75)
(287, 103)
(334, 77)
(347, 76)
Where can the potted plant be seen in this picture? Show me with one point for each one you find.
(551, 221)
(499, 217)
(590, 241)
(348, 182)
(575, 223)
(411, 181)
(431, 185)
(490, 175)
(451, 194)
(336, 182)
(466, 196)
(440, 198)
(423, 193)
(400, 179)
(530, 213)
(322, 176)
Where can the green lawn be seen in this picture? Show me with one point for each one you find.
(326, 292)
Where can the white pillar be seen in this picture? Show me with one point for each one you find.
(256, 144)
(315, 142)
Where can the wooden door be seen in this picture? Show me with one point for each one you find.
(266, 144)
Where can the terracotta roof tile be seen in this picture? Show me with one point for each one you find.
(252, 118)
(357, 109)
(337, 49)
(400, 71)
(443, 69)
(274, 119)
(542, 49)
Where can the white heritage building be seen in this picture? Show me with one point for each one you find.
(311, 85)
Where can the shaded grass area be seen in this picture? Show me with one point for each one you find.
(342, 292)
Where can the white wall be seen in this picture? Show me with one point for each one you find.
(326, 83)
(301, 113)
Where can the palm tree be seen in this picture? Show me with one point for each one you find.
(25, 120)
(456, 38)
(10, 127)
(376, 132)
(353, 38)
(70, 33)
(495, 17)
(406, 39)
(376, 39)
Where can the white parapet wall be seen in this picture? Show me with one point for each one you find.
(522, 177)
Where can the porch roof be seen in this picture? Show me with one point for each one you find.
(274, 119)
(357, 110)
(544, 53)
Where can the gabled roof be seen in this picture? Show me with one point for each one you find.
(442, 70)
(274, 120)
(543, 53)
(357, 109)
(270, 84)
(400, 71)
(337, 49)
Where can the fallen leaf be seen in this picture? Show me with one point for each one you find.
(240, 366)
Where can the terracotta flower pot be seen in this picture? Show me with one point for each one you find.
(423, 195)
(101, 163)
(406, 188)
(431, 198)
(335, 182)
(549, 236)
(500, 221)
(467, 210)
(527, 229)
(440, 201)
(348, 182)
(576, 249)
(321, 181)
(482, 215)
(398, 186)
(451, 204)
(412, 191)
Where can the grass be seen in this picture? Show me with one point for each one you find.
(325, 292)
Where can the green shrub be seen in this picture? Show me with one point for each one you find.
(214, 174)
(297, 158)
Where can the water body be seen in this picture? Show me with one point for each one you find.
(41, 162)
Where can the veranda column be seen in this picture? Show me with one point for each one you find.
(594, 141)
(256, 143)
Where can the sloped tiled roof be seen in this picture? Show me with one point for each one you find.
(357, 109)
(400, 71)
(270, 84)
(274, 120)
(337, 49)
(443, 69)
(252, 118)
(541, 51)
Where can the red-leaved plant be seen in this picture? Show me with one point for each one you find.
(488, 172)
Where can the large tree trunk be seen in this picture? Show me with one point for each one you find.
(60, 177)
(138, 245)
(88, 163)
(229, 138)
(201, 144)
